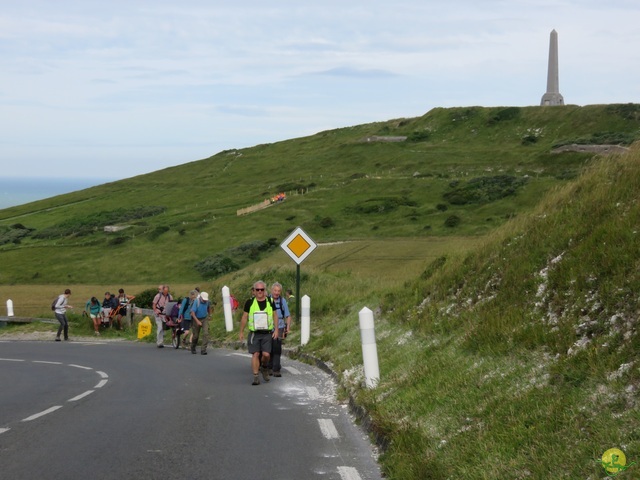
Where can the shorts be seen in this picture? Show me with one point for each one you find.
(95, 315)
(259, 342)
(185, 324)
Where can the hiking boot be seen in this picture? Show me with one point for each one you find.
(265, 374)
(203, 353)
(271, 372)
(277, 374)
(256, 380)
(57, 339)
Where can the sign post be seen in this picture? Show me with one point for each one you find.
(298, 246)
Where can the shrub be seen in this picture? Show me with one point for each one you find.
(419, 136)
(327, 222)
(441, 207)
(484, 189)
(145, 298)
(504, 114)
(216, 266)
(452, 221)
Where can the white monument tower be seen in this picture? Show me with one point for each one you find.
(553, 97)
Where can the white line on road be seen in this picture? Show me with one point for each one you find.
(80, 366)
(292, 370)
(328, 429)
(11, 360)
(2, 430)
(41, 414)
(349, 473)
(47, 363)
(101, 383)
(313, 393)
(242, 355)
(102, 374)
(82, 395)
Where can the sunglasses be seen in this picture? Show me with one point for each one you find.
(259, 289)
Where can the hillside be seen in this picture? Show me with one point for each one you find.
(520, 359)
(508, 339)
(461, 171)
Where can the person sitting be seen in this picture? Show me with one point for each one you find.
(94, 310)
(109, 305)
(123, 300)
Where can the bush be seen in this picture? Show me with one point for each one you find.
(484, 189)
(419, 136)
(216, 266)
(145, 298)
(441, 207)
(452, 221)
(327, 222)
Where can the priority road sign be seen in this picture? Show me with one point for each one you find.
(298, 245)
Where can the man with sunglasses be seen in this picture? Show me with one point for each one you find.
(261, 317)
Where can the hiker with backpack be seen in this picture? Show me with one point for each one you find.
(60, 307)
(284, 325)
(93, 309)
(184, 317)
(261, 317)
(200, 314)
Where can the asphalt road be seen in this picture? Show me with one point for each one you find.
(123, 410)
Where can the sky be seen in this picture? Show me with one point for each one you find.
(113, 89)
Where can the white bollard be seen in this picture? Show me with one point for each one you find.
(226, 304)
(369, 348)
(305, 320)
(9, 308)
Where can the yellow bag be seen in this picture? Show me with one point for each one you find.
(144, 328)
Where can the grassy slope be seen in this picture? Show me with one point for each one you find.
(517, 360)
(342, 174)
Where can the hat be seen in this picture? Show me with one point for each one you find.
(204, 296)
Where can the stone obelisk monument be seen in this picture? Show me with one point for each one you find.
(553, 97)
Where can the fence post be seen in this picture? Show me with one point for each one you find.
(226, 305)
(9, 308)
(305, 320)
(369, 348)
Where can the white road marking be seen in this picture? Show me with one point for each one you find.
(102, 374)
(80, 366)
(101, 383)
(47, 363)
(2, 430)
(82, 395)
(328, 429)
(247, 355)
(349, 473)
(292, 370)
(41, 414)
(313, 393)
(11, 360)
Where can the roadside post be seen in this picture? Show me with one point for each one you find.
(369, 348)
(305, 326)
(226, 305)
(9, 308)
(298, 246)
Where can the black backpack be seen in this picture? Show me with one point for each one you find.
(54, 303)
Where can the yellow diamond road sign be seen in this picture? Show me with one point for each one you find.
(298, 245)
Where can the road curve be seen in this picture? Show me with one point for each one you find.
(106, 410)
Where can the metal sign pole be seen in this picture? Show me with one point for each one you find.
(298, 293)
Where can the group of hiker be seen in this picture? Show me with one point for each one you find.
(109, 311)
(265, 316)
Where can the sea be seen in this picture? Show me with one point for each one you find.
(19, 190)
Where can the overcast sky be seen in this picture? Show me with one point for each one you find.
(116, 88)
